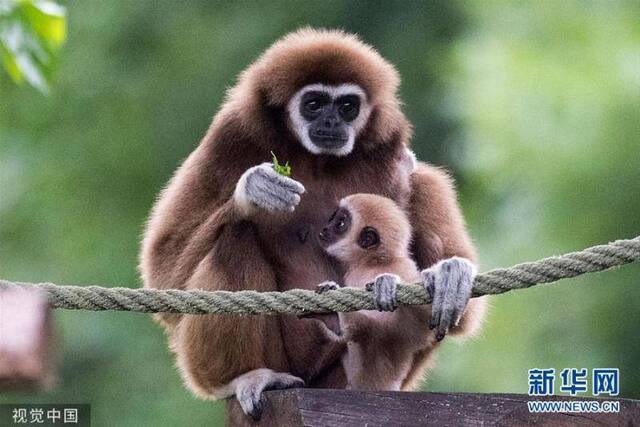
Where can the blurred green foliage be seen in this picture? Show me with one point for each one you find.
(534, 106)
(31, 31)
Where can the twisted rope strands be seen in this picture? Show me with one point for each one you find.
(546, 270)
(299, 301)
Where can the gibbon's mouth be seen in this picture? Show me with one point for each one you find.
(328, 139)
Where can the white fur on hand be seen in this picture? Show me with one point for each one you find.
(449, 283)
(264, 188)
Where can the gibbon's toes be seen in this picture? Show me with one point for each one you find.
(250, 400)
(250, 392)
(384, 288)
(284, 381)
(279, 381)
(327, 286)
(449, 284)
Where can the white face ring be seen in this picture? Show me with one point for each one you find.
(301, 126)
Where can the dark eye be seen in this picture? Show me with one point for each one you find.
(349, 107)
(369, 238)
(341, 223)
(346, 108)
(313, 106)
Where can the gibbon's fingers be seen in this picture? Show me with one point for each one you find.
(265, 190)
(259, 190)
(267, 201)
(450, 283)
(266, 171)
(428, 281)
(384, 288)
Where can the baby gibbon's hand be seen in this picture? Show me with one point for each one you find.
(449, 284)
(384, 289)
(262, 187)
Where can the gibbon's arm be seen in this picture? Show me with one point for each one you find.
(205, 195)
(198, 238)
(224, 181)
(441, 243)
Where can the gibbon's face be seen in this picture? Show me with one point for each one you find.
(327, 119)
(344, 238)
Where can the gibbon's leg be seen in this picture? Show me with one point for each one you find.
(213, 350)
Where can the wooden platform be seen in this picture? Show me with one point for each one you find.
(313, 407)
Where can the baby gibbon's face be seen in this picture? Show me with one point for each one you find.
(343, 236)
(366, 228)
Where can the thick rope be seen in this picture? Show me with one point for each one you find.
(299, 301)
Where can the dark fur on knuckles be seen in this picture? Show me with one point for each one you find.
(197, 239)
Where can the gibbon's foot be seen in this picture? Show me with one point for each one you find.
(327, 286)
(249, 388)
(449, 284)
(384, 288)
(261, 186)
(323, 287)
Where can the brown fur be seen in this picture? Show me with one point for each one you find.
(197, 239)
(439, 232)
(386, 351)
(388, 219)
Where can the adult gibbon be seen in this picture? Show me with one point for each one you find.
(327, 103)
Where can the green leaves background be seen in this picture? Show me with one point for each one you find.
(31, 32)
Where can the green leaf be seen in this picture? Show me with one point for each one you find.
(284, 170)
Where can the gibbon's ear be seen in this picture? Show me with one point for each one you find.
(369, 238)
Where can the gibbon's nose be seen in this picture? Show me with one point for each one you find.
(330, 121)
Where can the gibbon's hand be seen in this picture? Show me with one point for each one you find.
(449, 284)
(264, 188)
(384, 288)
